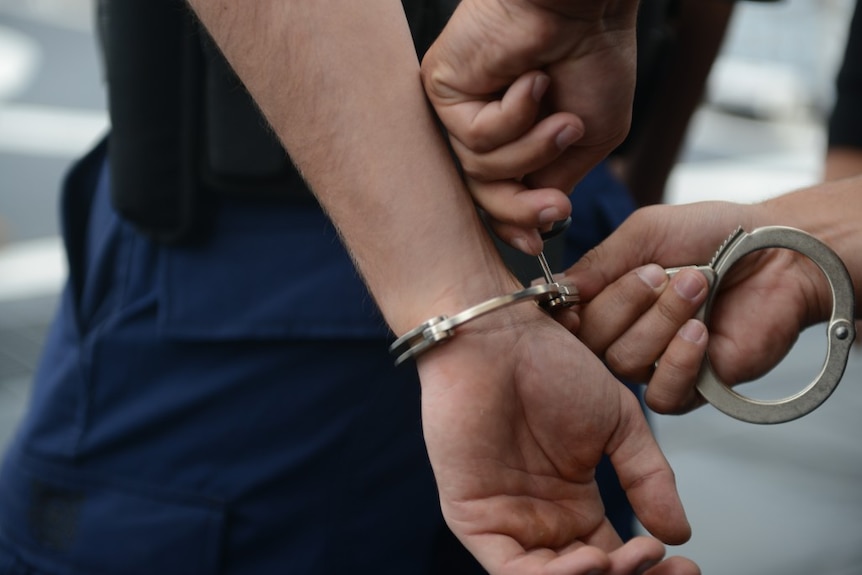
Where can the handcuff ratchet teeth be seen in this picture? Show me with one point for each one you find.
(840, 329)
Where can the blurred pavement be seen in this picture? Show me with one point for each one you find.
(52, 107)
(778, 500)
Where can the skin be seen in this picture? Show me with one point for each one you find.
(537, 53)
(786, 289)
(842, 162)
(527, 128)
(516, 411)
(634, 316)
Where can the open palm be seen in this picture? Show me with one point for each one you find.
(515, 422)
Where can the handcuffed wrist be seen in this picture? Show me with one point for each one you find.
(439, 329)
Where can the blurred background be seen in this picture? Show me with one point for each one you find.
(52, 107)
(782, 500)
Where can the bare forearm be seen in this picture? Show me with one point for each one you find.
(339, 82)
(829, 211)
(842, 162)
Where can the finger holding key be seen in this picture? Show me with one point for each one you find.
(632, 321)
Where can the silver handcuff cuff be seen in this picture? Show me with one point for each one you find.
(840, 329)
(436, 330)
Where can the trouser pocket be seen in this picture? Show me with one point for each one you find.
(63, 522)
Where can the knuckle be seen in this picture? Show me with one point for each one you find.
(661, 401)
(671, 390)
(621, 360)
(590, 259)
(669, 312)
(477, 139)
(672, 309)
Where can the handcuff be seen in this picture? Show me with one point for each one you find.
(549, 296)
(840, 330)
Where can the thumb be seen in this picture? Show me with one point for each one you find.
(646, 476)
(663, 234)
(632, 245)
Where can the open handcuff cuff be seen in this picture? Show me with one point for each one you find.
(840, 328)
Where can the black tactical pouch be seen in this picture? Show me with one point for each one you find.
(184, 129)
(153, 67)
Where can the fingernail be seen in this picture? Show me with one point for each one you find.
(692, 331)
(549, 215)
(540, 86)
(521, 244)
(652, 275)
(567, 137)
(689, 286)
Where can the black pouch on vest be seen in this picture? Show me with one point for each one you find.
(183, 126)
(152, 62)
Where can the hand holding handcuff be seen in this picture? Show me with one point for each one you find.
(840, 328)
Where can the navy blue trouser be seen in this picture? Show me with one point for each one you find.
(227, 406)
